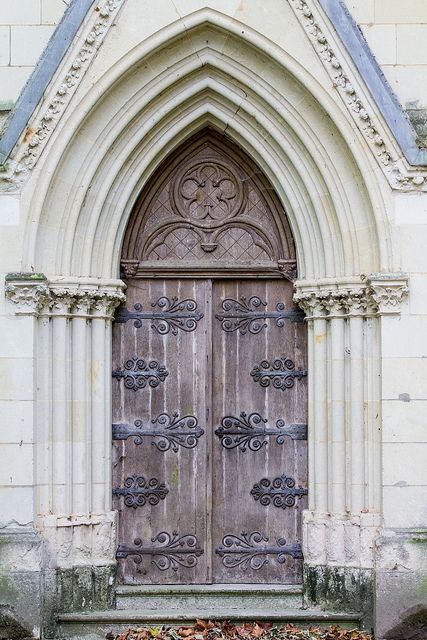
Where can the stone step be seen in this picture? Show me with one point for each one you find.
(96, 624)
(209, 597)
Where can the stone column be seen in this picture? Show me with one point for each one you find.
(344, 324)
(73, 425)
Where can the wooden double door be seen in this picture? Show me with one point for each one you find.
(209, 431)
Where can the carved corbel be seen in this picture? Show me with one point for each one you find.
(288, 269)
(28, 291)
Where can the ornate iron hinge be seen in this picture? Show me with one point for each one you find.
(137, 491)
(281, 373)
(248, 315)
(170, 432)
(137, 373)
(249, 551)
(251, 432)
(169, 551)
(281, 491)
(172, 315)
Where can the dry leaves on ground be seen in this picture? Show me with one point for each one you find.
(225, 630)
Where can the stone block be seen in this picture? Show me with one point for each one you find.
(404, 421)
(19, 331)
(397, 471)
(412, 240)
(382, 40)
(12, 81)
(401, 578)
(418, 297)
(411, 43)
(361, 10)
(16, 376)
(4, 45)
(398, 11)
(398, 336)
(410, 208)
(28, 42)
(52, 11)
(405, 506)
(403, 376)
(408, 82)
(17, 465)
(20, 12)
(16, 505)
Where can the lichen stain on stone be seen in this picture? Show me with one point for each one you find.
(319, 338)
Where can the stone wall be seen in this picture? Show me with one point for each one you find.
(63, 213)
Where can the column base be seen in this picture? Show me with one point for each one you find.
(344, 589)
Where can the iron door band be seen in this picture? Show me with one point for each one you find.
(253, 551)
(167, 551)
(168, 315)
(137, 491)
(167, 432)
(252, 432)
(249, 315)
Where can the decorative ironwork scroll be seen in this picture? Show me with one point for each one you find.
(169, 551)
(137, 491)
(169, 432)
(137, 373)
(251, 551)
(281, 373)
(249, 315)
(281, 492)
(171, 315)
(251, 432)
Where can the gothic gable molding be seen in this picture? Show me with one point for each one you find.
(397, 170)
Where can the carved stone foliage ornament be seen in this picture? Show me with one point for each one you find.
(34, 295)
(137, 373)
(167, 432)
(167, 551)
(281, 492)
(137, 491)
(168, 314)
(253, 551)
(280, 373)
(378, 294)
(252, 432)
(250, 315)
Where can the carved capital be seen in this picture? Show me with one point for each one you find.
(376, 294)
(105, 302)
(34, 295)
(388, 291)
(28, 291)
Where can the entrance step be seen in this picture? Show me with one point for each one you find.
(209, 598)
(94, 625)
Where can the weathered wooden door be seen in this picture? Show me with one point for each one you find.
(209, 379)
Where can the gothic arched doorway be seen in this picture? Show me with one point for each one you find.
(209, 388)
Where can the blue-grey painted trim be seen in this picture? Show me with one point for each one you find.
(378, 86)
(337, 13)
(37, 83)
